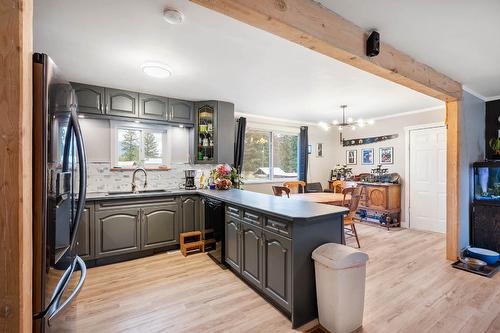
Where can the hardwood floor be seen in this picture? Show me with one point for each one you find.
(411, 287)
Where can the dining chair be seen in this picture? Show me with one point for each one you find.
(314, 187)
(279, 190)
(337, 186)
(296, 186)
(357, 190)
(349, 227)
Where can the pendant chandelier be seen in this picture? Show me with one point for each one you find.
(346, 122)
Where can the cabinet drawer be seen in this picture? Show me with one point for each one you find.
(252, 217)
(233, 211)
(132, 203)
(278, 226)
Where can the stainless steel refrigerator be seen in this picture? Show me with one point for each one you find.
(59, 188)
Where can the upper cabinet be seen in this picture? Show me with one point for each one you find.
(122, 103)
(153, 107)
(214, 132)
(180, 111)
(90, 98)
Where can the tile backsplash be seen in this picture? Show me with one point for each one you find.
(100, 177)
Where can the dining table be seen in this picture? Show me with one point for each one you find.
(322, 197)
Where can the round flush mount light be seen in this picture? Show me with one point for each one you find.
(156, 69)
(173, 16)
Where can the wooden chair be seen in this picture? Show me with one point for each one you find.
(349, 227)
(358, 190)
(296, 186)
(337, 186)
(279, 190)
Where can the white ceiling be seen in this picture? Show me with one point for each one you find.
(459, 38)
(212, 57)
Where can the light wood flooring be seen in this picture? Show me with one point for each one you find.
(410, 288)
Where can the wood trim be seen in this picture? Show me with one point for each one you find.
(311, 25)
(16, 25)
(452, 179)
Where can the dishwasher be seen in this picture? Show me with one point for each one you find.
(214, 229)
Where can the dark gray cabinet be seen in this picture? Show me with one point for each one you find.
(159, 225)
(90, 98)
(233, 243)
(277, 259)
(180, 111)
(122, 103)
(252, 249)
(85, 234)
(153, 107)
(117, 231)
(190, 213)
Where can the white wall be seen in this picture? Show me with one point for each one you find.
(393, 125)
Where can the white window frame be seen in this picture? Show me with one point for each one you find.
(273, 129)
(116, 125)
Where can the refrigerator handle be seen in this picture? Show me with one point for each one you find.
(82, 168)
(74, 293)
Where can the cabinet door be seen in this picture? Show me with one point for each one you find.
(122, 103)
(233, 244)
(90, 98)
(190, 214)
(377, 198)
(251, 259)
(85, 235)
(205, 138)
(485, 227)
(160, 226)
(277, 258)
(180, 111)
(117, 232)
(153, 107)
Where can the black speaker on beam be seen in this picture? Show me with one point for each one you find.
(373, 44)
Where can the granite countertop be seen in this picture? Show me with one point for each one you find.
(279, 206)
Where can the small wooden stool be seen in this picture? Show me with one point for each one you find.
(197, 243)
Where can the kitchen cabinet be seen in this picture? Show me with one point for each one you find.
(91, 99)
(85, 234)
(159, 225)
(117, 231)
(233, 243)
(252, 248)
(180, 111)
(277, 260)
(122, 103)
(214, 132)
(485, 226)
(191, 210)
(153, 107)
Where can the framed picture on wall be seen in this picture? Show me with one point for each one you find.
(367, 156)
(386, 155)
(319, 150)
(352, 157)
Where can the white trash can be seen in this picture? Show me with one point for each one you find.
(340, 286)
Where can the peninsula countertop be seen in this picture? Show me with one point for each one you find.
(279, 206)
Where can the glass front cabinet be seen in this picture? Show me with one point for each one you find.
(206, 133)
(485, 215)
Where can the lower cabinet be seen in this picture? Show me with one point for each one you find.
(85, 234)
(252, 250)
(191, 209)
(117, 232)
(263, 258)
(233, 243)
(159, 226)
(277, 258)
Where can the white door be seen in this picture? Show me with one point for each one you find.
(428, 179)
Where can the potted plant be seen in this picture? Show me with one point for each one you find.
(495, 145)
(221, 176)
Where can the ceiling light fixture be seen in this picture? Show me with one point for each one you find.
(350, 122)
(156, 69)
(173, 16)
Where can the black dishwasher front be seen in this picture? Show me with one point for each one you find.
(214, 229)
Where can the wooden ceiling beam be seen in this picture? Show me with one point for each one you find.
(311, 25)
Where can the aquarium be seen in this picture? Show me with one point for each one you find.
(487, 181)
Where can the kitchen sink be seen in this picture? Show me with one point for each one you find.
(139, 192)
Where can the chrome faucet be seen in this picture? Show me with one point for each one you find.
(134, 186)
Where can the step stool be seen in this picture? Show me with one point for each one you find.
(198, 243)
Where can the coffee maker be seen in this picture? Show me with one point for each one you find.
(189, 179)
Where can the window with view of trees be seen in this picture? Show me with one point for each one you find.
(270, 155)
(138, 146)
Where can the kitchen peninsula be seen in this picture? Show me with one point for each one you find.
(268, 239)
